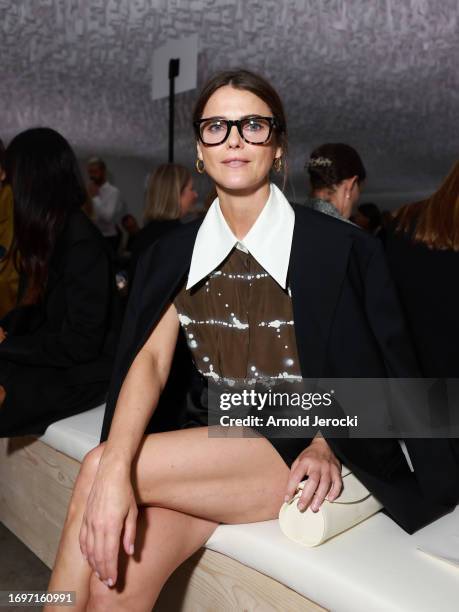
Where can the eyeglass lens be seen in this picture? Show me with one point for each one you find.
(255, 130)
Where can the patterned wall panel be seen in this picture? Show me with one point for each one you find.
(381, 75)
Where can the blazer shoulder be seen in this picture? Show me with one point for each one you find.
(326, 226)
(179, 238)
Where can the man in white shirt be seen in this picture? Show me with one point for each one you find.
(106, 201)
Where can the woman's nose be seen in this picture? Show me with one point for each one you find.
(234, 138)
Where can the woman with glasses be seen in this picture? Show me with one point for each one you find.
(245, 287)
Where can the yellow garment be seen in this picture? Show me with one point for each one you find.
(8, 275)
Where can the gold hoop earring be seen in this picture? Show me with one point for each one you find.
(277, 164)
(199, 166)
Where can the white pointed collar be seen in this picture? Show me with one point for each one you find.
(269, 240)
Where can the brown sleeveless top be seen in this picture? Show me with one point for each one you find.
(238, 323)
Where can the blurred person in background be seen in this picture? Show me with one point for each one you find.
(57, 345)
(369, 217)
(130, 225)
(170, 196)
(8, 274)
(422, 247)
(336, 174)
(106, 202)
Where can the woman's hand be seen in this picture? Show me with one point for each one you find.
(3, 335)
(323, 470)
(111, 506)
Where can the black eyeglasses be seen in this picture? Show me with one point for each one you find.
(254, 129)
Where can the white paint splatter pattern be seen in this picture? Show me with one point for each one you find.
(246, 277)
(236, 323)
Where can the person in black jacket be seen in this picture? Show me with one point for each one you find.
(57, 346)
(162, 495)
(422, 248)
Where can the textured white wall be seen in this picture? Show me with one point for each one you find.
(381, 76)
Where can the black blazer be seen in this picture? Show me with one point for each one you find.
(75, 327)
(427, 282)
(348, 323)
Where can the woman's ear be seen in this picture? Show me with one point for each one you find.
(198, 150)
(354, 181)
(278, 152)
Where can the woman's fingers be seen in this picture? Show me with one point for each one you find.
(321, 491)
(111, 551)
(309, 489)
(99, 550)
(337, 483)
(83, 536)
(295, 477)
(90, 547)
(130, 530)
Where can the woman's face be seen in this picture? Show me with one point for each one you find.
(236, 165)
(188, 198)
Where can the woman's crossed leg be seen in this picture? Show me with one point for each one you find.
(185, 483)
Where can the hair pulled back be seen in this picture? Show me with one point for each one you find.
(332, 163)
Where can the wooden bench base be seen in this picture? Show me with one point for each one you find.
(36, 482)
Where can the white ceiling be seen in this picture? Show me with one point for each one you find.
(379, 74)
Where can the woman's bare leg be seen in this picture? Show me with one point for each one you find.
(164, 539)
(229, 480)
(71, 571)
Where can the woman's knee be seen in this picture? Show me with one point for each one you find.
(100, 598)
(85, 480)
(92, 459)
(105, 599)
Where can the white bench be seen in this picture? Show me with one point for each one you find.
(373, 567)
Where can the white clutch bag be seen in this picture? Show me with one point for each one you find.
(355, 504)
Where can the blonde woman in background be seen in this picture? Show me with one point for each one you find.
(170, 195)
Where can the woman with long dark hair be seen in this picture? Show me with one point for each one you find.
(57, 346)
(8, 272)
(264, 291)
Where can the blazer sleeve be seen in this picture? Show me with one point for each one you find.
(87, 294)
(386, 319)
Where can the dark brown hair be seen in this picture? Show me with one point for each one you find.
(47, 186)
(2, 155)
(260, 87)
(332, 163)
(435, 221)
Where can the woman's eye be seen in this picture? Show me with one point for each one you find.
(254, 126)
(215, 127)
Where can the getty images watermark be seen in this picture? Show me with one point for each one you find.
(340, 407)
(260, 401)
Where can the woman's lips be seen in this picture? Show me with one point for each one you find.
(235, 163)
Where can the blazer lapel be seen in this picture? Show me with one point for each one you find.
(317, 269)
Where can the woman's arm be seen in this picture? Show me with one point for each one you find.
(142, 387)
(111, 504)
